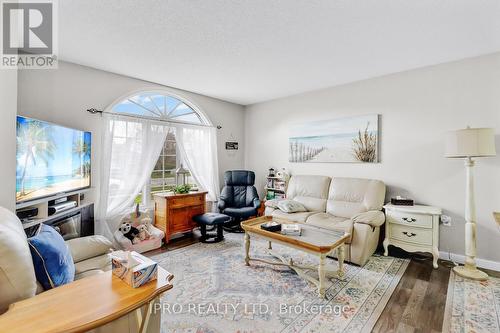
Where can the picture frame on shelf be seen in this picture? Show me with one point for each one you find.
(280, 185)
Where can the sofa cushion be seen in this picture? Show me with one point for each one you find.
(294, 217)
(273, 203)
(291, 206)
(268, 211)
(350, 196)
(312, 204)
(102, 262)
(17, 276)
(88, 273)
(52, 259)
(311, 191)
(330, 222)
(88, 247)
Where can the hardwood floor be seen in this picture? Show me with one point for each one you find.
(418, 303)
(416, 306)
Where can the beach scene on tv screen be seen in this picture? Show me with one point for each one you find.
(50, 159)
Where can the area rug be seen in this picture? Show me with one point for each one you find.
(215, 292)
(472, 306)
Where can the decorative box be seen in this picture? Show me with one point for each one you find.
(133, 268)
(398, 201)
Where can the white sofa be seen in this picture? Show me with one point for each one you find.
(351, 205)
(17, 275)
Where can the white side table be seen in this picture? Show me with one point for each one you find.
(413, 228)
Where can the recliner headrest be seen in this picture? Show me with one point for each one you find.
(239, 178)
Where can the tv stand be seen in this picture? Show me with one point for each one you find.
(83, 207)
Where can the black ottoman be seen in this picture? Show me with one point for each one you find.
(211, 219)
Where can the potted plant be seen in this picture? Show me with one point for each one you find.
(182, 189)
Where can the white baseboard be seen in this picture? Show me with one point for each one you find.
(459, 258)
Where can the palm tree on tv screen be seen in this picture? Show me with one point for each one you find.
(35, 141)
(82, 148)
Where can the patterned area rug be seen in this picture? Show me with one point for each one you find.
(215, 292)
(472, 306)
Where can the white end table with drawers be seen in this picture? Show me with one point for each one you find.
(413, 228)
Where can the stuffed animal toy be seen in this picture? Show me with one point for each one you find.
(130, 232)
(147, 221)
(143, 232)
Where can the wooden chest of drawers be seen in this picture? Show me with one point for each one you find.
(174, 212)
(413, 228)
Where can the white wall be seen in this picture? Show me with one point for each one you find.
(417, 107)
(8, 109)
(62, 96)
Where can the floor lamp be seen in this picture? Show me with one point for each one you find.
(468, 143)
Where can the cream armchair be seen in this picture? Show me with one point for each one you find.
(17, 275)
(351, 205)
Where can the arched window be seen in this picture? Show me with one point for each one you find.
(158, 105)
(162, 106)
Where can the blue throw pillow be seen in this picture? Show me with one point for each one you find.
(51, 257)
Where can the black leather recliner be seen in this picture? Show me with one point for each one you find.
(239, 198)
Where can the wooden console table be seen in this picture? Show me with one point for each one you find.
(174, 212)
(85, 304)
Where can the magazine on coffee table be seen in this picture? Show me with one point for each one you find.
(291, 229)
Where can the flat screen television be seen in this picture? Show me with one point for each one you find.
(51, 159)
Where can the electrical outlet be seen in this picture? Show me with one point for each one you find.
(446, 220)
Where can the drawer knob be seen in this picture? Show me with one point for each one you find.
(409, 234)
(409, 219)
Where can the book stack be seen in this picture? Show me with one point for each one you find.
(291, 229)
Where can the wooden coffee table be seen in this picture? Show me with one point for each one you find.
(318, 241)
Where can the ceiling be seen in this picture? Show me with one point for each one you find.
(256, 50)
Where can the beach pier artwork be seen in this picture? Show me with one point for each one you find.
(300, 152)
(353, 139)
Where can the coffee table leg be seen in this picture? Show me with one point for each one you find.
(247, 249)
(270, 247)
(321, 273)
(341, 257)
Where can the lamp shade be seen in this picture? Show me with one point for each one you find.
(470, 142)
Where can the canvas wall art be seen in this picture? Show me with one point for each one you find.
(352, 139)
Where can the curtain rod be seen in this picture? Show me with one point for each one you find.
(101, 112)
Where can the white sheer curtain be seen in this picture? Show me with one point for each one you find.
(131, 147)
(198, 148)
